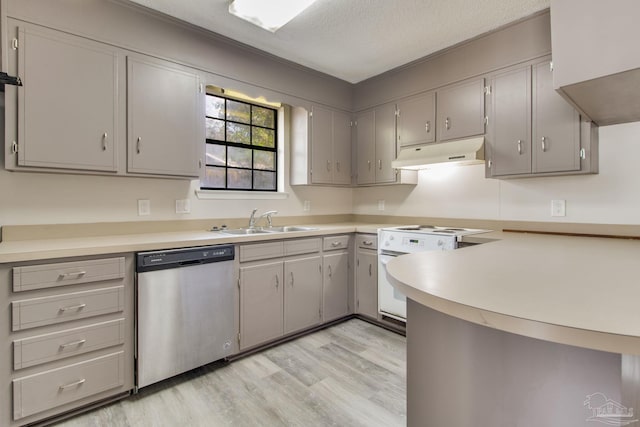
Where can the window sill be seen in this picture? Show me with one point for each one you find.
(240, 195)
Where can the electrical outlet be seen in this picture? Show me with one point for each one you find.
(380, 205)
(306, 206)
(144, 207)
(183, 206)
(558, 208)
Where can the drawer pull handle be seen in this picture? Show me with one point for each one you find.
(330, 272)
(336, 244)
(75, 273)
(73, 343)
(73, 384)
(367, 243)
(73, 307)
(292, 279)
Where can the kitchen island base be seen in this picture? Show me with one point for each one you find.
(463, 374)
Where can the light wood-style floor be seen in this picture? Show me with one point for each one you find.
(352, 374)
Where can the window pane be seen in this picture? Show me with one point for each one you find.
(214, 177)
(239, 178)
(238, 133)
(238, 111)
(264, 137)
(215, 107)
(216, 155)
(264, 180)
(239, 157)
(263, 117)
(215, 129)
(264, 160)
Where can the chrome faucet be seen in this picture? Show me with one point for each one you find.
(252, 218)
(269, 215)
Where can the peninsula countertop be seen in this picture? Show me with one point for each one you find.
(582, 291)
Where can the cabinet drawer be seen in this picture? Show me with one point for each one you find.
(301, 246)
(335, 242)
(46, 390)
(261, 251)
(33, 312)
(58, 345)
(367, 241)
(67, 273)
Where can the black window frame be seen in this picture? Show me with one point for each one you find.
(249, 146)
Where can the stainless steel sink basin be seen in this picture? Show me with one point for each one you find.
(244, 231)
(288, 228)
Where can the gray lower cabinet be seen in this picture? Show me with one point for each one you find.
(67, 106)
(71, 336)
(532, 130)
(367, 282)
(336, 273)
(303, 293)
(416, 122)
(165, 118)
(261, 303)
(460, 110)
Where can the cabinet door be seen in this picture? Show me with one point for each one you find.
(385, 136)
(416, 120)
(165, 120)
(510, 123)
(67, 106)
(341, 148)
(321, 155)
(261, 299)
(335, 292)
(367, 283)
(556, 126)
(460, 110)
(302, 293)
(365, 147)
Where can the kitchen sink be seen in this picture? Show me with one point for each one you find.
(266, 230)
(288, 228)
(244, 231)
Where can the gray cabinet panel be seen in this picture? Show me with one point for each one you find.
(261, 304)
(67, 114)
(165, 118)
(367, 283)
(321, 153)
(335, 292)
(385, 137)
(556, 126)
(365, 147)
(417, 119)
(303, 293)
(460, 111)
(341, 148)
(509, 133)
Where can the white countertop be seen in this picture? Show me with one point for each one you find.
(581, 291)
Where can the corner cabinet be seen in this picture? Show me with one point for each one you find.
(532, 130)
(68, 105)
(165, 118)
(321, 146)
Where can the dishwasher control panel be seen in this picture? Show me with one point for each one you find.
(147, 261)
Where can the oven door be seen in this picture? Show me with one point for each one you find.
(390, 302)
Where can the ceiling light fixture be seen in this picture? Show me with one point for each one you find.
(268, 14)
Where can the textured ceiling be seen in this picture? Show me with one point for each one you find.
(357, 39)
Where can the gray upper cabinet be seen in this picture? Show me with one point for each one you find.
(165, 118)
(341, 148)
(321, 141)
(365, 148)
(556, 126)
(416, 120)
(67, 108)
(303, 293)
(460, 110)
(385, 137)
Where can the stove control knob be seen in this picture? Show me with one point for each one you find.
(440, 243)
(390, 237)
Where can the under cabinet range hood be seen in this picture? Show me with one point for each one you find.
(460, 152)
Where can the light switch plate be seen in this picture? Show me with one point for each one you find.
(380, 205)
(558, 207)
(306, 206)
(183, 206)
(144, 207)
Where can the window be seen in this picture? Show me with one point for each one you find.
(241, 146)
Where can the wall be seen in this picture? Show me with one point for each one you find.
(611, 197)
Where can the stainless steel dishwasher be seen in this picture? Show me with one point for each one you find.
(185, 310)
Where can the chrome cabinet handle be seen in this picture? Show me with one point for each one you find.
(277, 282)
(519, 146)
(367, 243)
(75, 273)
(338, 166)
(292, 279)
(369, 164)
(335, 244)
(328, 166)
(73, 384)
(104, 141)
(330, 272)
(427, 127)
(544, 147)
(139, 145)
(583, 153)
(73, 307)
(447, 123)
(73, 343)
(380, 164)
(369, 269)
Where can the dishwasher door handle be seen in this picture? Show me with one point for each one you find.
(191, 262)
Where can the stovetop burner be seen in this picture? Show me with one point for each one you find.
(434, 229)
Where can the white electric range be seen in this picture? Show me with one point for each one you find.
(396, 241)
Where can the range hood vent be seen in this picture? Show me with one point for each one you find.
(461, 152)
